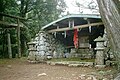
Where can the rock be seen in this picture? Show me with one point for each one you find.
(65, 63)
(101, 72)
(48, 62)
(100, 66)
(82, 77)
(86, 64)
(105, 79)
(32, 61)
(118, 77)
(9, 66)
(55, 54)
(80, 64)
(42, 74)
(62, 63)
(87, 77)
(52, 63)
(58, 63)
(74, 65)
(66, 55)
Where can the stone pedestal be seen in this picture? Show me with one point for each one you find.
(99, 56)
(99, 61)
(32, 51)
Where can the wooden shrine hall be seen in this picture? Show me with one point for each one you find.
(69, 37)
(88, 26)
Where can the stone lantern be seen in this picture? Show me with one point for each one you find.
(32, 50)
(99, 61)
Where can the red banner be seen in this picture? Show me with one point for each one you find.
(75, 39)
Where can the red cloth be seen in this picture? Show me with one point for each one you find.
(75, 39)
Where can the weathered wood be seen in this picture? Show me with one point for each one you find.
(9, 25)
(69, 24)
(11, 16)
(75, 27)
(73, 23)
(9, 45)
(18, 39)
(89, 25)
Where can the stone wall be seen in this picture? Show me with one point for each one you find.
(46, 47)
(82, 53)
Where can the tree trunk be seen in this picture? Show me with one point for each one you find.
(111, 18)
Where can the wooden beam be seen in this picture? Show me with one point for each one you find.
(11, 16)
(75, 27)
(8, 25)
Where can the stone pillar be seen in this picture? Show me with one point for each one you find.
(18, 39)
(32, 51)
(99, 61)
(9, 46)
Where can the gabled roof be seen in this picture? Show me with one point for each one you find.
(73, 16)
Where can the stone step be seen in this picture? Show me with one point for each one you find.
(72, 63)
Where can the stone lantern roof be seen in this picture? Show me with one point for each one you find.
(99, 39)
(32, 43)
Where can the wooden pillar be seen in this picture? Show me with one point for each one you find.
(9, 45)
(89, 25)
(69, 24)
(3, 43)
(73, 23)
(18, 39)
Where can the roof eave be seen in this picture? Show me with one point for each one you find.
(96, 16)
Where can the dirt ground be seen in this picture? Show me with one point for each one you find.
(18, 69)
